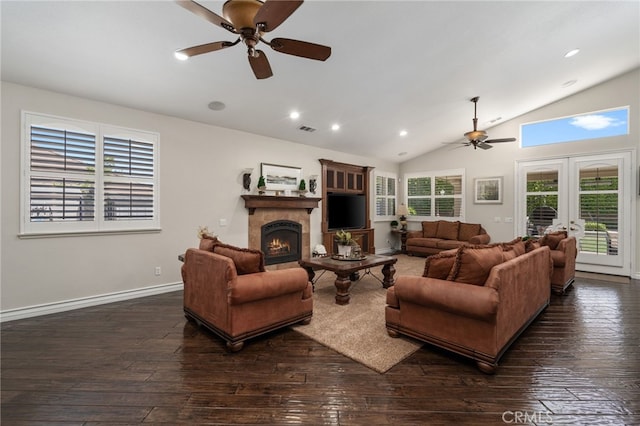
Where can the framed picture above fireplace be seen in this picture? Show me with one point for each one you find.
(280, 178)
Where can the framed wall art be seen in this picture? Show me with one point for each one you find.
(488, 190)
(280, 178)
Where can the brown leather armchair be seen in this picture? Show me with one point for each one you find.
(563, 254)
(228, 291)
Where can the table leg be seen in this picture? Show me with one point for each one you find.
(311, 275)
(342, 284)
(388, 271)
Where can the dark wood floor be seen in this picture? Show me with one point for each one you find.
(139, 361)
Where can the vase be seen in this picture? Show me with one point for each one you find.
(344, 251)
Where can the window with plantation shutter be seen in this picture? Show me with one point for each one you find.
(87, 177)
(386, 194)
(436, 194)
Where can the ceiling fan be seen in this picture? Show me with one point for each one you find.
(478, 138)
(250, 19)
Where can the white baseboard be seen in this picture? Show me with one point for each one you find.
(85, 302)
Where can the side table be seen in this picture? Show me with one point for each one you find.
(403, 239)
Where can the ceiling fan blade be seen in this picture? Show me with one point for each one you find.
(483, 145)
(205, 13)
(275, 12)
(303, 49)
(500, 140)
(206, 48)
(260, 65)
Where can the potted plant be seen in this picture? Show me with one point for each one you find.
(262, 186)
(302, 188)
(345, 242)
(394, 224)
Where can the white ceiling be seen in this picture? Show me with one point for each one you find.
(395, 65)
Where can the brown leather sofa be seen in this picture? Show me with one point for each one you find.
(563, 254)
(228, 291)
(472, 301)
(439, 235)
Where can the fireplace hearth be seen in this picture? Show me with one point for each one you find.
(281, 241)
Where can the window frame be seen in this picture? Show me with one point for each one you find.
(30, 228)
(387, 176)
(433, 196)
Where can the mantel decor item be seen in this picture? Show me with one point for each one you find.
(302, 188)
(261, 185)
(246, 178)
(488, 190)
(281, 178)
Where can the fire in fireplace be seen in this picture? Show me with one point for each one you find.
(281, 241)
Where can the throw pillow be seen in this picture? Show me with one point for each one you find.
(531, 244)
(468, 230)
(439, 265)
(517, 245)
(207, 242)
(473, 264)
(429, 229)
(247, 261)
(448, 230)
(553, 239)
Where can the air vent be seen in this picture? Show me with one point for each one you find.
(307, 129)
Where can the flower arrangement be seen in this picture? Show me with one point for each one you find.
(344, 238)
(203, 231)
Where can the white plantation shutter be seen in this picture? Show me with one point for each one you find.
(385, 196)
(86, 177)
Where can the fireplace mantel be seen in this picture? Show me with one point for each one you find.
(253, 202)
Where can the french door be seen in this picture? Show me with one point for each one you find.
(590, 197)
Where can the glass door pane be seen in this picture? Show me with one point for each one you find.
(541, 200)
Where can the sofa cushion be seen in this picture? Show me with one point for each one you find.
(448, 230)
(559, 258)
(473, 264)
(439, 265)
(423, 242)
(531, 244)
(449, 244)
(553, 239)
(468, 230)
(429, 229)
(247, 261)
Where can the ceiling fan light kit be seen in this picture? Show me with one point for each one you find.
(478, 138)
(250, 19)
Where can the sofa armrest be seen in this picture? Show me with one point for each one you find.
(458, 298)
(264, 285)
(480, 239)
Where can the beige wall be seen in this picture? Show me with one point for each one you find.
(501, 160)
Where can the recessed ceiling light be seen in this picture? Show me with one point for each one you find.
(217, 106)
(403, 133)
(569, 83)
(571, 53)
(180, 56)
(335, 127)
(294, 115)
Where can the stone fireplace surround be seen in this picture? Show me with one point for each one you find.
(264, 209)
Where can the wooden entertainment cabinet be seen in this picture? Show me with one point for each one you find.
(342, 178)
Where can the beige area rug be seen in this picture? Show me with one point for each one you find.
(357, 330)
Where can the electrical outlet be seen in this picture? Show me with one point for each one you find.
(158, 270)
(223, 222)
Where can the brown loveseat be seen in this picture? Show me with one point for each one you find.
(439, 235)
(474, 301)
(227, 290)
(563, 254)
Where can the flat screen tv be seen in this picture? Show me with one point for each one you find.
(346, 211)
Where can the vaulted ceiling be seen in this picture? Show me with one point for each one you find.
(395, 65)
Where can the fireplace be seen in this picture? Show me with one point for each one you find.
(281, 241)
